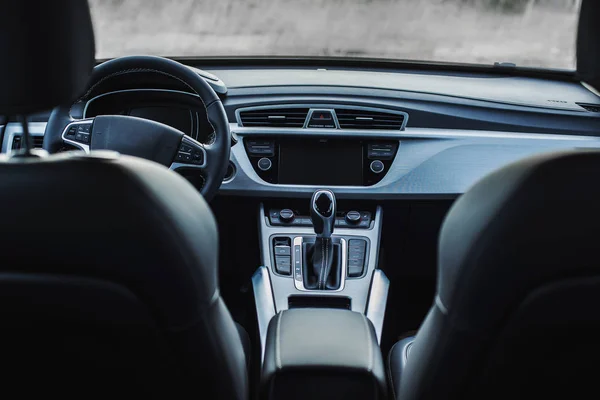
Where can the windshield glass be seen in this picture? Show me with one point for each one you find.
(532, 33)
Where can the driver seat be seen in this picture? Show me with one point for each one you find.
(108, 265)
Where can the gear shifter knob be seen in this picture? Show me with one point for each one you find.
(322, 212)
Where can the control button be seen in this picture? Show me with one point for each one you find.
(353, 217)
(86, 138)
(286, 215)
(283, 265)
(261, 148)
(264, 164)
(72, 132)
(186, 148)
(354, 263)
(321, 119)
(382, 151)
(297, 263)
(377, 166)
(84, 128)
(197, 157)
(358, 243)
(282, 250)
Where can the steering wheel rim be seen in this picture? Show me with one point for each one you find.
(216, 150)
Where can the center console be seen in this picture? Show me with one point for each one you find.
(320, 254)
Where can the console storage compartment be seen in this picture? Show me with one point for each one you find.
(314, 353)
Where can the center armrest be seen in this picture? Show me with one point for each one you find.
(322, 354)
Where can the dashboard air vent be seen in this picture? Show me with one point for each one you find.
(595, 108)
(275, 117)
(37, 141)
(367, 119)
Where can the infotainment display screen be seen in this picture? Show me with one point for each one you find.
(321, 162)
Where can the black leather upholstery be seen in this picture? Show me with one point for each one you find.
(115, 259)
(515, 313)
(397, 360)
(37, 42)
(322, 354)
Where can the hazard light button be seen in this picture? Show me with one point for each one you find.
(321, 119)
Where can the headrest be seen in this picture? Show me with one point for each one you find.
(46, 54)
(588, 43)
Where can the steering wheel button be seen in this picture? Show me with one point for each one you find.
(85, 138)
(197, 157)
(186, 148)
(79, 137)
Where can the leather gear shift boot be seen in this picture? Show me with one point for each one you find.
(322, 263)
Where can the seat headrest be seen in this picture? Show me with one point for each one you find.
(47, 54)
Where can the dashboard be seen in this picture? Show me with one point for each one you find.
(366, 134)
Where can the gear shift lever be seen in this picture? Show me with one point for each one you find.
(322, 214)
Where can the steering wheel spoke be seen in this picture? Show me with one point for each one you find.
(79, 134)
(190, 154)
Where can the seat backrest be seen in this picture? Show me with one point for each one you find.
(108, 264)
(516, 309)
(108, 275)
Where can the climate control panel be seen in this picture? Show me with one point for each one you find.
(343, 219)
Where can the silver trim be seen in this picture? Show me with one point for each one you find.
(408, 133)
(81, 146)
(324, 107)
(299, 284)
(13, 129)
(378, 294)
(265, 306)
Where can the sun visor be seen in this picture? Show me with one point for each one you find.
(46, 54)
(588, 43)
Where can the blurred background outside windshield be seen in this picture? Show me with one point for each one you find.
(537, 33)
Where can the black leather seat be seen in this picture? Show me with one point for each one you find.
(516, 314)
(108, 263)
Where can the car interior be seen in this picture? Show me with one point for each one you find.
(294, 228)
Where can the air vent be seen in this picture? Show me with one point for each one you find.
(37, 141)
(367, 119)
(275, 117)
(595, 108)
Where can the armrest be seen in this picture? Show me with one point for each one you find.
(322, 354)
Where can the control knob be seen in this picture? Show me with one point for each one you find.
(352, 217)
(286, 215)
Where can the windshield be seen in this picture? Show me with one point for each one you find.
(532, 33)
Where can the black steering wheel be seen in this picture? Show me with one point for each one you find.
(144, 138)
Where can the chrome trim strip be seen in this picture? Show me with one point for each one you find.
(408, 133)
(378, 294)
(265, 306)
(322, 107)
(13, 129)
(81, 146)
(300, 284)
